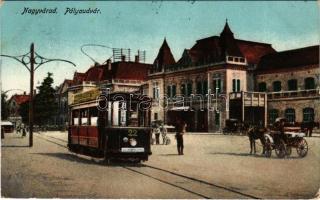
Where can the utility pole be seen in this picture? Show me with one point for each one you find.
(31, 95)
(27, 59)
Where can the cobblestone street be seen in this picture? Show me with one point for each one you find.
(214, 166)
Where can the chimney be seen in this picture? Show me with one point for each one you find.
(109, 64)
(96, 64)
(123, 58)
(136, 58)
(24, 93)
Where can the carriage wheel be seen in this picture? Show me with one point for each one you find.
(267, 148)
(280, 149)
(302, 148)
(288, 151)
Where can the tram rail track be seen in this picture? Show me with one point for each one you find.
(163, 176)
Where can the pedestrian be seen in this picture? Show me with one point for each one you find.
(310, 128)
(180, 130)
(23, 130)
(163, 134)
(18, 129)
(157, 134)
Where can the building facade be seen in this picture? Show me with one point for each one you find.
(222, 77)
(291, 80)
(61, 96)
(197, 87)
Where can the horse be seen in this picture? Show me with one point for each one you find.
(254, 133)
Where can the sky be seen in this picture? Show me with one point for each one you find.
(141, 26)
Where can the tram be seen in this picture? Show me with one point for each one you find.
(112, 126)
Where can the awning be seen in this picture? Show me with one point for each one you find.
(181, 108)
(6, 123)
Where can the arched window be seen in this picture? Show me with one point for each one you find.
(262, 87)
(309, 83)
(183, 89)
(273, 115)
(186, 88)
(171, 91)
(202, 87)
(236, 85)
(189, 89)
(292, 84)
(217, 85)
(276, 86)
(290, 115)
(308, 115)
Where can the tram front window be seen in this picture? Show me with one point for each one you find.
(133, 116)
(123, 114)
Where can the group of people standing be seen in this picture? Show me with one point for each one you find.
(22, 128)
(180, 129)
(160, 129)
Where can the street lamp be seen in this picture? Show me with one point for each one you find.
(32, 61)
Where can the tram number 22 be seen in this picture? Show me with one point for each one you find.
(132, 132)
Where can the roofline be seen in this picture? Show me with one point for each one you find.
(214, 36)
(248, 41)
(117, 62)
(290, 50)
(262, 43)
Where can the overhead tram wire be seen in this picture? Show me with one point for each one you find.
(93, 45)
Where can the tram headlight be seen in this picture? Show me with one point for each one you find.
(125, 139)
(133, 142)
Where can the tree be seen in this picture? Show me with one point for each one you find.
(45, 106)
(24, 112)
(4, 107)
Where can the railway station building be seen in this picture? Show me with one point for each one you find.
(222, 77)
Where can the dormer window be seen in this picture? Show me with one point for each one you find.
(233, 59)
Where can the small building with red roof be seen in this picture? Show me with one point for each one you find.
(15, 102)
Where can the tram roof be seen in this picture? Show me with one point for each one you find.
(126, 95)
(114, 96)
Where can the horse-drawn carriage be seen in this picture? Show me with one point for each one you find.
(283, 144)
(280, 138)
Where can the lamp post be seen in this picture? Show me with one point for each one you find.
(32, 61)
